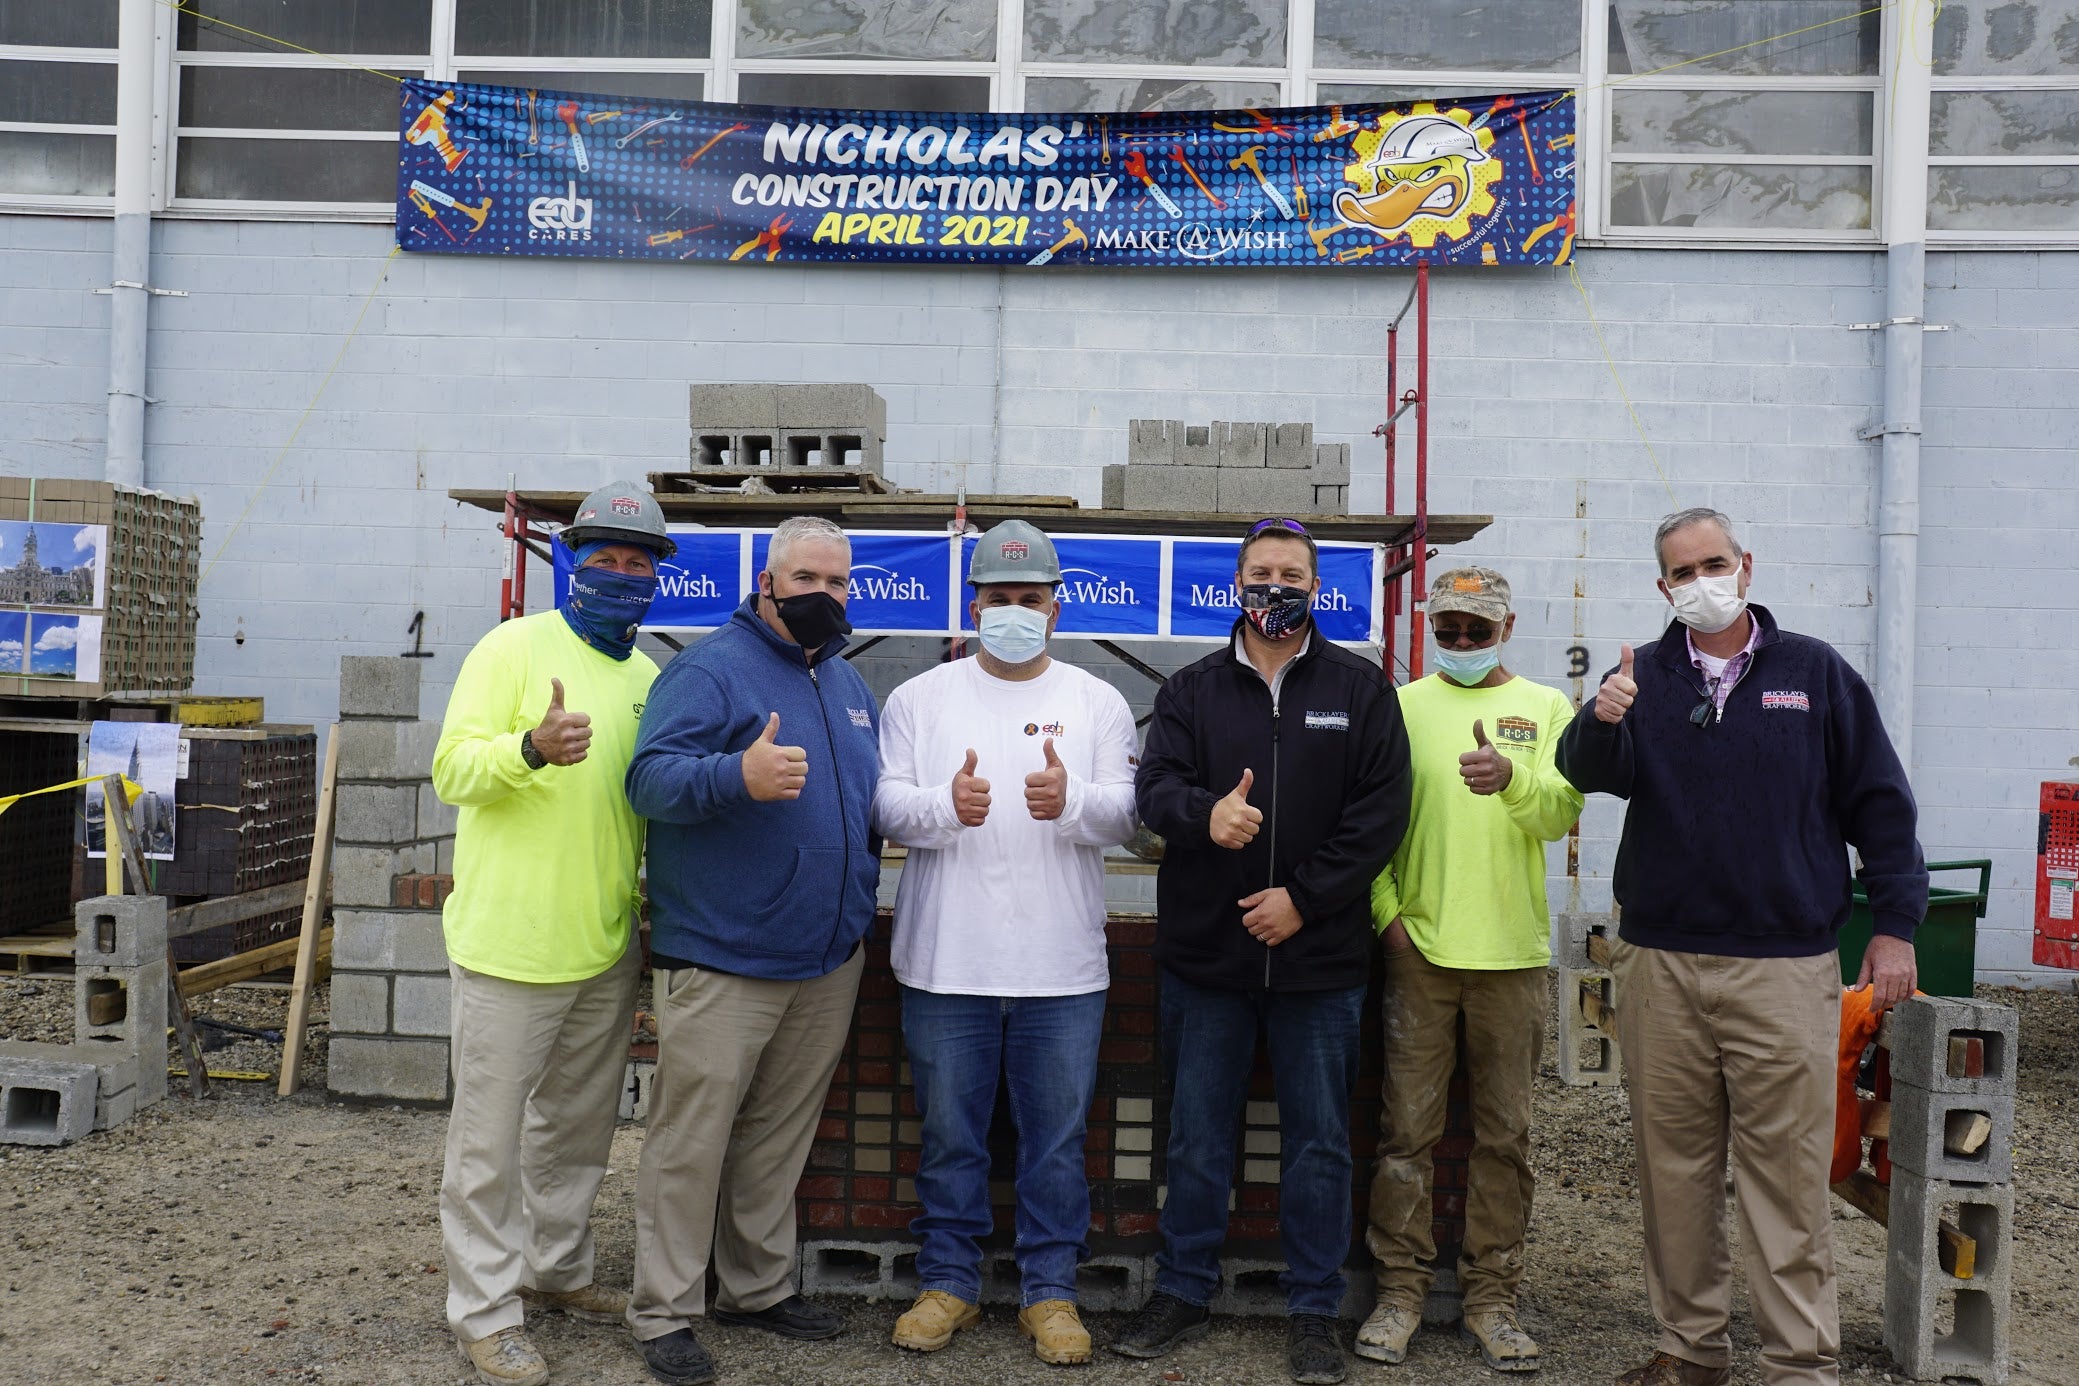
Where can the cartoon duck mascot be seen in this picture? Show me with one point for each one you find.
(1422, 167)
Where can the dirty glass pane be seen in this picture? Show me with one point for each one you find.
(1079, 95)
(2005, 198)
(1498, 35)
(364, 26)
(662, 86)
(72, 24)
(1368, 93)
(1726, 195)
(2004, 122)
(2007, 38)
(951, 29)
(64, 165)
(864, 91)
(1227, 33)
(287, 170)
(1740, 122)
(596, 29)
(58, 93)
(275, 98)
(1648, 35)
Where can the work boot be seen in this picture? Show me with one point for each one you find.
(592, 1303)
(931, 1322)
(1503, 1344)
(1666, 1369)
(1056, 1330)
(1384, 1336)
(1311, 1350)
(678, 1359)
(792, 1317)
(1164, 1322)
(506, 1358)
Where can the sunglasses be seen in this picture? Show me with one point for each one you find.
(1700, 715)
(1289, 526)
(1464, 635)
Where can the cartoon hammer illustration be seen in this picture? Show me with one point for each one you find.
(1247, 159)
(432, 128)
(1075, 235)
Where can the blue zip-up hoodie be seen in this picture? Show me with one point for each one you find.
(781, 890)
(1736, 839)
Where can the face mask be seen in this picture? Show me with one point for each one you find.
(1469, 667)
(605, 607)
(813, 618)
(1277, 612)
(1013, 634)
(1708, 605)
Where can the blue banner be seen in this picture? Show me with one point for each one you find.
(1204, 600)
(1478, 180)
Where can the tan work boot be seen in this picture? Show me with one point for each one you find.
(1503, 1344)
(506, 1358)
(592, 1303)
(931, 1322)
(1666, 1369)
(1057, 1332)
(1384, 1336)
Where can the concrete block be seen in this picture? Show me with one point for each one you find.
(1172, 488)
(1153, 442)
(1588, 1054)
(1920, 1030)
(389, 1070)
(1196, 448)
(1573, 930)
(117, 1094)
(44, 1102)
(1114, 487)
(1918, 1119)
(119, 930)
(1978, 1346)
(636, 1085)
(827, 447)
(381, 750)
(1331, 465)
(378, 686)
(1331, 500)
(435, 818)
(360, 1003)
(136, 996)
(388, 941)
(1260, 491)
(733, 408)
(839, 408)
(754, 448)
(858, 1270)
(1290, 447)
(1241, 444)
(376, 813)
(420, 1005)
(362, 875)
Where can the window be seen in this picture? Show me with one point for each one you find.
(2003, 128)
(57, 102)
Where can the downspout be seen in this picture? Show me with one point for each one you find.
(1898, 478)
(130, 297)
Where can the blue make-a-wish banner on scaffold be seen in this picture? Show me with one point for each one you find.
(1486, 180)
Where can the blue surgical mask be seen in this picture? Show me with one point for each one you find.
(1468, 668)
(605, 607)
(1013, 634)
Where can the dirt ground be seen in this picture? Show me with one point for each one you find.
(250, 1239)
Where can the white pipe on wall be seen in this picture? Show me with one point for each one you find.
(130, 299)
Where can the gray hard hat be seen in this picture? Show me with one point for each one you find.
(620, 512)
(1014, 551)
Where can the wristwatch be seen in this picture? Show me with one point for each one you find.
(534, 758)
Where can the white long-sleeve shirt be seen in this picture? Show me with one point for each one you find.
(1014, 907)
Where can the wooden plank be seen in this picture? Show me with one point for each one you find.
(232, 909)
(107, 1007)
(1965, 1133)
(1599, 952)
(313, 915)
(1957, 1253)
(1597, 1012)
(243, 967)
(1876, 1119)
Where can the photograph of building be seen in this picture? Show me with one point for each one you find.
(50, 564)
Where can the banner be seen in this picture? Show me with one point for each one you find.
(1485, 180)
(1113, 587)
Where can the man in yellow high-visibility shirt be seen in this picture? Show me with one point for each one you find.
(540, 936)
(1463, 911)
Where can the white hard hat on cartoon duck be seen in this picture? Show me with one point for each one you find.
(1419, 139)
(1420, 168)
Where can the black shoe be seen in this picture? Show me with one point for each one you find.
(1313, 1350)
(1163, 1322)
(792, 1317)
(678, 1359)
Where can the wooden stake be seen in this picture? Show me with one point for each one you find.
(313, 915)
(113, 802)
(116, 835)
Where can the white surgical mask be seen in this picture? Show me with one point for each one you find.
(1708, 605)
(1469, 667)
(1013, 634)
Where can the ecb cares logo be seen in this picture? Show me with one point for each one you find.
(567, 218)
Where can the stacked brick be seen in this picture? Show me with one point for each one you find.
(246, 811)
(36, 834)
(1588, 1056)
(1952, 1063)
(395, 839)
(1234, 468)
(749, 426)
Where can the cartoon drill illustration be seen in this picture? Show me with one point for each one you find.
(1247, 159)
(1336, 128)
(432, 128)
(1137, 165)
(567, 112)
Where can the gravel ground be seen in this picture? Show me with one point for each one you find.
(252, 1239)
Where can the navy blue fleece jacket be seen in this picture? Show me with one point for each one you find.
(1736, 839)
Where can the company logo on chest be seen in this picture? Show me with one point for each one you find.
(1328, 721)
(1519, 731)
(1792, 700)
(1046, 729)
(861, 717)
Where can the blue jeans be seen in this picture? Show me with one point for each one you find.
(1208, 1045)
(1046, 1046)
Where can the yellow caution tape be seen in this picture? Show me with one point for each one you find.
(130, 791)
(229, 1075)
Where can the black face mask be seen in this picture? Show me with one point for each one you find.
(813, 618)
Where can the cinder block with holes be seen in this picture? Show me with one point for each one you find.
(1172, 488)
(733, 408)
(1922, 1030)
(1241, 444)
(1153, 442)
(1977, 1345)
(1331, 465)
(124, 1006)
(1924, 1125)
(118, 1092)
(119, 930)
(1290, 447)
(1588, 1054)
(1574, 932)
(46, 1101)
(1264, 491)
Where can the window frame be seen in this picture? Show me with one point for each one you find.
(2001, 240)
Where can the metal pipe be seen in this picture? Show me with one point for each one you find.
(1391, 627)
(131, 265)
(1419, 586)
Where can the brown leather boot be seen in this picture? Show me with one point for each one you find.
(1666, 1369)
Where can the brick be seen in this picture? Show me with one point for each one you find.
(388, 941)
(376, 813)
(1918, 1120)
(1920, 1031)
(46, 1102)
(119, 930)
(1241, 444)
(1264, 492)
(388, 1069)
(378, 686)
(1172, 488)
(420, 1005)
(360, 1003)
(1979, 1345)
(364, 876)
(1289, 446)
(1153, 442)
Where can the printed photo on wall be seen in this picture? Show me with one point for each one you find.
(14, 646)
(64, 646)
(44, 564)
(147, 754)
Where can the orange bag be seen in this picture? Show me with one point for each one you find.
(1859, 1025)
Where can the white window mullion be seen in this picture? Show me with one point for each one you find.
(165, 85)
(1299, 51)
(440, 62)
(1592, 124)
(1010, 43)
(721, 79)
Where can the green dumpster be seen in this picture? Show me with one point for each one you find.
(1946, 945)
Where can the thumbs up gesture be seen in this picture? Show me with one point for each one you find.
(563, 737)
(970, 795)
(1484, 769)
(1613, 699)
(1235, 822)
(773, 771)
(1046, 790)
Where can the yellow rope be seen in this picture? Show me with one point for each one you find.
(184, 8)
(8, 801)
(1622, 393)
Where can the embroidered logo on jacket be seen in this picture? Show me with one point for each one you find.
(1328, 721)
(1792, 701)
(861, 717)
(1520, 730)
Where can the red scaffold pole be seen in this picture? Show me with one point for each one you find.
(1420, 571)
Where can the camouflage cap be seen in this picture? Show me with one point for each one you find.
(1475, 591)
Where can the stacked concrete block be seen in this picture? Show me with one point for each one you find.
(1951, 1060)
(1233, 468)
(1290, 447)
(1588, 1054)
(816, 425)
(1330, 475)
(120, 999)
(389, 1019)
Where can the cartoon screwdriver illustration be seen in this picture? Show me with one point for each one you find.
(567, 112)
(1137, 165)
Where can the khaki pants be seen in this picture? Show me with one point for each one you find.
(1504, 1027)
(538, 1071)
(743, 1066)
(1735, 1054)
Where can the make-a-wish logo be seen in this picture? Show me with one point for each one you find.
(567, 218)
(687, 585)
(1089, 585)
(874, 583)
